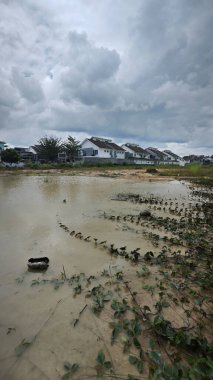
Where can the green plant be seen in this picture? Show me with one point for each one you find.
(70, 370)
(102, 365)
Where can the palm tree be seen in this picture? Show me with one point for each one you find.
(48, 148)
(72, 148)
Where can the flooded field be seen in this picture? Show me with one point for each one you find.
(102, 248)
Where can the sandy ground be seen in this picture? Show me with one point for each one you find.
(139, 174)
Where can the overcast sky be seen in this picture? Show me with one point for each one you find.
(131, 70)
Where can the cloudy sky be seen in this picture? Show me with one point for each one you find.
(134, 71)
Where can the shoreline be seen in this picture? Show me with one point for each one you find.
(131, 173)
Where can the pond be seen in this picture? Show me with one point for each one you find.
(31, 211)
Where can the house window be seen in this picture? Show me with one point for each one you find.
(95, 152)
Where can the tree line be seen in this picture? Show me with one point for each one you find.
(48, 149)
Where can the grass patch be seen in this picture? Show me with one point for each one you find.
(191, 170)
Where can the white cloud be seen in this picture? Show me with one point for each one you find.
(28, 86)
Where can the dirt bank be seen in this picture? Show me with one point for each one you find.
(91, 172)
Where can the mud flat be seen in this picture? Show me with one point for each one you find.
(127, 294)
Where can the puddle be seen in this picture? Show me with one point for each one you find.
(30, 211)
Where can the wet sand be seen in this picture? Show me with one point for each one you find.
(138, 174)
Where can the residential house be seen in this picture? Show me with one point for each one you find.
(26, 154)
(193, 158)
(135, 151)
(171, 156)
(174, 158)
(136, 154)
(156, 155)
(101, 148)
(208, 160)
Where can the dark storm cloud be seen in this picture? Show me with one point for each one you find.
(140, 71)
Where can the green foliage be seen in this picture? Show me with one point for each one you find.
(119, 307)
(194, 168)
(48, 148)
(10, 156)
(137, 362)
(102, 365)
(191, 170)
(70, 370)
(149, 288)
(72, 147)
(99, 296)
(144, 272)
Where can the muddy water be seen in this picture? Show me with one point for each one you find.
(30, 209)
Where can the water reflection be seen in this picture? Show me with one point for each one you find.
(50, 187)
(10, 182)
(30, 207)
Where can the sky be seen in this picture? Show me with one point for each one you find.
(137, 71)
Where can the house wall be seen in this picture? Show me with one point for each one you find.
(170, 162)
(99, 152)
(120, 154)
(127, 149)
(143, 162)
(100, 160)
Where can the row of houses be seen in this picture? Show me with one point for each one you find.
(99, 150)
(201, 159)
(97, 147)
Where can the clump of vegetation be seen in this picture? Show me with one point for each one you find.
(10, 156)
(152, 171)
(188, 171)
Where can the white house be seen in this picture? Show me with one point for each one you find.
(135, 151)
(157, 155)
(174, 158)
(137, 154)
(102, 148)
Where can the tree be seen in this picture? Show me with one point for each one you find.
(48, 148)
(9, 155)
(72, 147)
